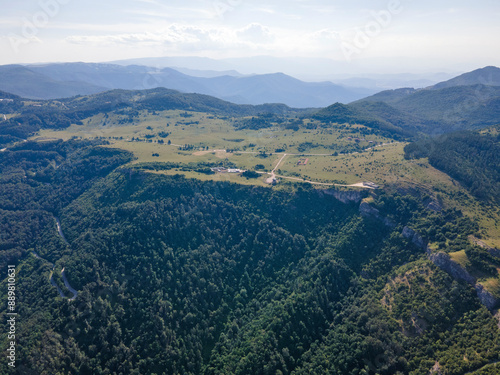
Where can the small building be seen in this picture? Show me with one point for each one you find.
(219, 170)
(271, 180)
(228, 170)
(370, 185)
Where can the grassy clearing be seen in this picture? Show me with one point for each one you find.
(461, 258)
(337, 160)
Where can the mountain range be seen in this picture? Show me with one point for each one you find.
(54, 81)
(469, 101)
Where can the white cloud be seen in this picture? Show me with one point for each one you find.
(255, 33)
(186, 37)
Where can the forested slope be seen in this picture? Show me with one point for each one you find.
(473, 158)
(179, 276)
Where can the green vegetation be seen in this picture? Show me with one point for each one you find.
(470, 157)
(182, 276)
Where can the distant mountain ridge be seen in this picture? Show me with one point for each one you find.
(463, 102)
(52, 81)
(488, 76)
(28, 83)
(469, 101)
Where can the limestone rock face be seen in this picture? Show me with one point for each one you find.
(443, 261)
(366, 210)
(346, 196)
(440, 259)
(414, 237)
(486, 298)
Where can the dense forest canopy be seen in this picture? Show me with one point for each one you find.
(181, 276)
(472, 158)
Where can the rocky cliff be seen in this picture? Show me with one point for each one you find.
(416, 238)
(443, 261)
(440, 259)
(367, 210)
(346, 196)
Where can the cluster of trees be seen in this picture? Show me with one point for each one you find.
(254, 123)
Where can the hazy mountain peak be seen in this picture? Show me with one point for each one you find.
(488, 76)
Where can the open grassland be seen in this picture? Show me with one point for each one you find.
(201, 130)
(334, 154)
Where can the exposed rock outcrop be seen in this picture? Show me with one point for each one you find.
(346, 196)
(414, 237)
(435, 370)
(494, 252)
(486, 298)
(440, 259)
(434, 206)
(443, 261)
(367, 210)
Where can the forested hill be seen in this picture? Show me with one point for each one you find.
(179, 276)
(473, 158)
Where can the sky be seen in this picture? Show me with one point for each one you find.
(386, 36)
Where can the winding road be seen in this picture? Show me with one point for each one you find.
(63, 272)
(59, 230)
(66, 284)
(51, 277)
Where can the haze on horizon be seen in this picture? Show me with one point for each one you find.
(388, 36)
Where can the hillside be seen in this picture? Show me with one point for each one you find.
(159, 232)
(376, 115)
(472, 158)
(28, 117)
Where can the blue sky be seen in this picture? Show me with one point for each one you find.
(404, 34)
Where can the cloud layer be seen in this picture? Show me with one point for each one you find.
(69, 30)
